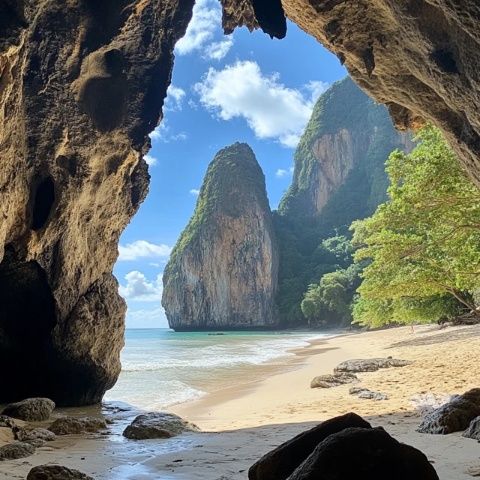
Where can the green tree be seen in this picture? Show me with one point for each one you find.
(329, 301)
(423, 244)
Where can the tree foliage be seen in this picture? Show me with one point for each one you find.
(423, 244)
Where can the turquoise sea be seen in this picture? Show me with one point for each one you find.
(161, 368)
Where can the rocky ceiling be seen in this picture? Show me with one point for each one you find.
(82, 83)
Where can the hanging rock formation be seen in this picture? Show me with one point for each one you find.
(82, 83)
(223, 270)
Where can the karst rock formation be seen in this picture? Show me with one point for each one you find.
(82, 83)
(222, 273)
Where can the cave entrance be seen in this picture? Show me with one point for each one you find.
(27, 317)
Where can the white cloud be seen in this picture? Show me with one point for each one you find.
(174, 100)
(146, 318)
(271, 109)
(316, 88)
(201, 29)
(281, 172)
(218, 50)
(164, 134)
(195, 191)
(139, 288)
(151, 161)
(142, 249)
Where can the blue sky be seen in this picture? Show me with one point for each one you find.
(243, 87)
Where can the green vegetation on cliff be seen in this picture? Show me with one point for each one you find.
(423, 244)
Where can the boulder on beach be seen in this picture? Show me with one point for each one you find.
(157, 425)
(366, 394)
(454, 416)
(16, 450)
(56, 472)
(77, 425)
(30, 409)
(35, 436)
(370, 364)
(364, 454)
(333, 380)
(283, 460)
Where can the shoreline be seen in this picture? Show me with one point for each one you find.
(239, 424)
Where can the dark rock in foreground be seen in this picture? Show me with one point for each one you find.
(335, 380)
(473, 430)
(370, 364)
(366, 394)
(281, 462)
(454, 416)
(31, 409)
(157, 425)
(364, 454)
(75, 426)
(16, 450)
(56, 472)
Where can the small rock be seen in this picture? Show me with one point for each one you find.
(56, 472)
(454, 416)
(473, 430)
(31, 409)
(329, 381)
(36, 436)
(370, 365)
(366, 394)
(7, 422)
(75, 426)
(16, 450)
(364, 453)
(157, 425)
(283, 460)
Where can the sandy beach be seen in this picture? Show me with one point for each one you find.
(254, 415)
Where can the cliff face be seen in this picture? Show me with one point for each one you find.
(347, 139)
(81, 85)
(223, 271)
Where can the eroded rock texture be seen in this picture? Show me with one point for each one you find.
(222, 273)
(82, 84)
(419, 57)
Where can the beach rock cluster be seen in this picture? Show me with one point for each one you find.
(369, 365)
(56, 472)
(223, 270)
(343, 448)
(157, 425)
(458, 414)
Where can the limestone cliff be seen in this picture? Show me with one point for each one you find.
(223, 270)
(340, 158)
(82, 83)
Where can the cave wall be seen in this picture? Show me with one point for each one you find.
(82, 83)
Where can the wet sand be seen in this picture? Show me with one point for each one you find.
(254, 415)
